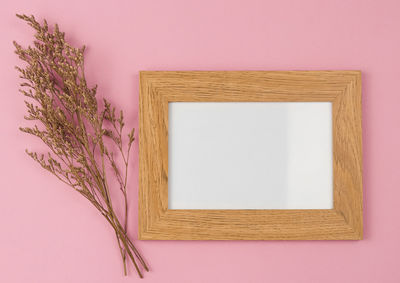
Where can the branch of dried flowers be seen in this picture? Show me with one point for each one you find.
(74, 128)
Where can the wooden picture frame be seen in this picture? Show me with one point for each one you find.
(341, 88)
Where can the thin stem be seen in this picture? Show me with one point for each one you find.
(123, 238)
(136, 252)
(122, 252)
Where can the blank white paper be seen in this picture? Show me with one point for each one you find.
(250, 155)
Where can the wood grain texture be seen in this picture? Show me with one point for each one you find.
(342, 88)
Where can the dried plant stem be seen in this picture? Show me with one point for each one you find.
(74, 129)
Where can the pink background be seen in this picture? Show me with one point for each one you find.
(50, 234)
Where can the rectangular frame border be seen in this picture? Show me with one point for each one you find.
(342, 88)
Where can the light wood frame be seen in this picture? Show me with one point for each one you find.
(342, 88)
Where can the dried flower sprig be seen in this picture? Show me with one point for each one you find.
(74, 128)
